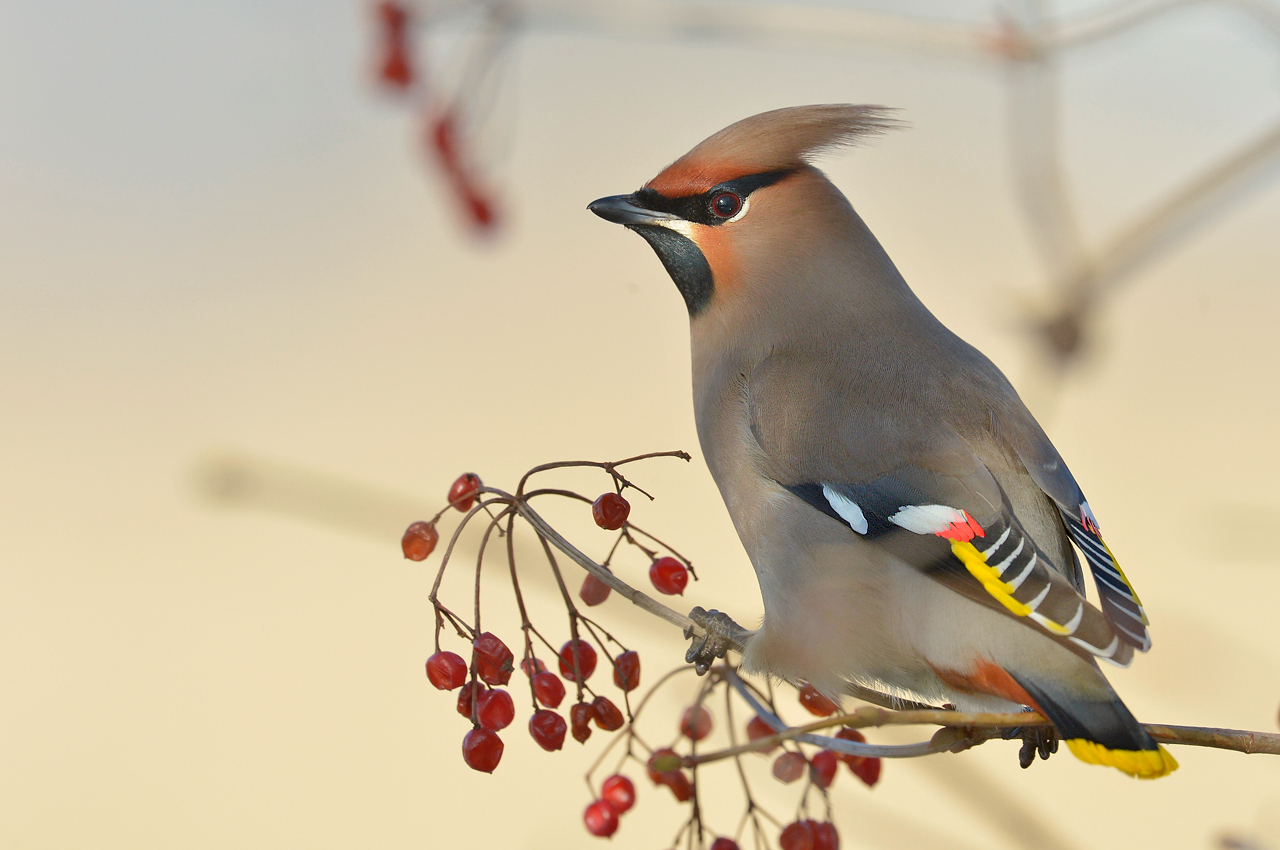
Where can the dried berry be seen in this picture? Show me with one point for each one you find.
(825, 836)
(547, 728)
(482, 750)
(548, 688)
(723, 843)
(601, 819)
(673, 779)
(788, 767)
(669, 576)
(493, 661)
(822, 768)
(619, 791)
(695, 723)
(419, 541)
(868, 770)
(532, 666)
(467, 696)
(495, 710)
(586, 659)
(816, 703)
(580, 717)
(757, 729)
(626, 670)
(610, 511)
(608, 716)
(462, 495)
(593, 591)
(446, 670)
(797, 836)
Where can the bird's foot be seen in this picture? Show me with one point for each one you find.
(720, 634)
(1035, 739)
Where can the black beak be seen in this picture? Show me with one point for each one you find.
(625, 210)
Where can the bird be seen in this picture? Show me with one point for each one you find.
(911, 525)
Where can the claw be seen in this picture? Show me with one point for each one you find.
(1035, 739)
(719, 634)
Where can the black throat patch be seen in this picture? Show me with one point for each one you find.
(683, 261)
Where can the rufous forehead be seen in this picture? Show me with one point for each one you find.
(683, 178)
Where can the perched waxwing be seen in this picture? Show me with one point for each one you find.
(910, 524)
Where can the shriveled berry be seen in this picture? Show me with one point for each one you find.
(825, 836)
(419, 541)
(580, 716)
(626, 670)
(669, 576)
(797, 836)
(585, 655)
(757, 729)
(462, 495)
(868, 770)
(788, 767)
(813, 700)
(658, 756)
(532, 666)
(680, 787)
(695, 723)
(724, 843)
(482, 750)
(601, 819)
(495, 710)
(493, 661)
(822, 768)
(593, 591)
(848, 734)
(547, 728)
(619, 791)
(446, 670)
(470, 691)
(608, 716)
(610, 511)
(548, 688)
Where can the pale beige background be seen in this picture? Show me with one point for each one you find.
(217, 243)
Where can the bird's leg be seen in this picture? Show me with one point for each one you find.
(720, 634)
(1035, 739)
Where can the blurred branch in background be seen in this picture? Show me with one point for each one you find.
(1028, 40)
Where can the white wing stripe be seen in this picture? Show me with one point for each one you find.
(847, 508)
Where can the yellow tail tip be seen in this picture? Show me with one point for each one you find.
(1144, 764)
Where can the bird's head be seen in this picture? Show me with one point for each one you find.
(745, 206)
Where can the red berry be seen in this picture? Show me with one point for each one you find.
(610, 511)
(822, 768)
(492, 659)
(548, 688)
(868, 770)
(695, 723)
(673, 779)
(532, 666)
(788, 767)
(626, 670)
(825, 836)
(757, 729)
(482, 750)
(601, 819)
(586, 656)
(495, 710)
(797, 836)
(467, 696)
(594, 591)
(817, 704)
(619, 791)
(580, 717)
(446, 670)
(680, 787)
(547, 728)
(669, 576)
(462, 495)
(723, 843)
(848, 734)
(608, 716)
(419, 541)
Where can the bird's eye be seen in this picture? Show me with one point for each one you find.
(725, 205)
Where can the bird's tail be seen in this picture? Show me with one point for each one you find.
(1098, 728)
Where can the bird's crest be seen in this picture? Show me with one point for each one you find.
(771, 141)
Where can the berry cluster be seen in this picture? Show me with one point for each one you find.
(482, 680)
